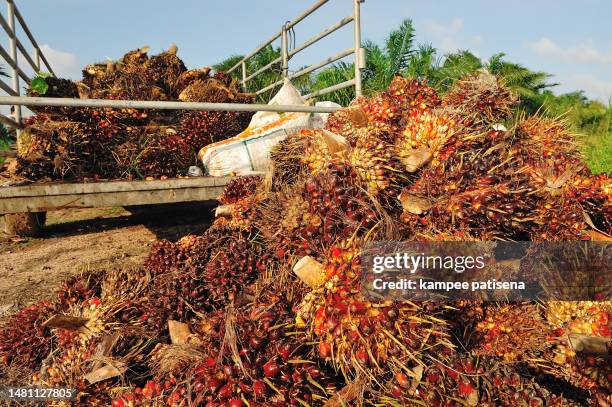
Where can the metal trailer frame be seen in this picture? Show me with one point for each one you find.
(41, 197)
(287, 54)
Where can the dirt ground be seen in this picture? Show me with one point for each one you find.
(76, 240)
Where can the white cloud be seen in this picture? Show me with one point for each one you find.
(64, 64)
(447, 37)
(593, 87)
(436, 28)
(582, 53)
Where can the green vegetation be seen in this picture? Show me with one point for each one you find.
(590, 120)
(5, 141)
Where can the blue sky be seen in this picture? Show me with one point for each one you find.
(570, 39)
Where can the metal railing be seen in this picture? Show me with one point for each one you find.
(12, 59)
(15, 99)
(287, 54)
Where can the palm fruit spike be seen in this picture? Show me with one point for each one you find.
(483, 96)
(470, 382)
(512, 331)
(356, 334)
(286, 165)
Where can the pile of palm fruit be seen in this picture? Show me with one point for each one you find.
(67, 143)
(227, 318)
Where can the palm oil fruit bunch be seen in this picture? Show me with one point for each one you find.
(411, 95)
(165, 155)
(178, 295)
(165, 69)
(481, 97)
(573, 322)
(468, 381)
(234, 265)
(512, 331)
(203, 128)
(350, 123)
(164, 257)
(55, 88)
(424, 134)
(79, 288)
(357, 334)
(265, 361)
(239, 188)
(24, 339)
(373, 161)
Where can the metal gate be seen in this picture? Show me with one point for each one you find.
(13, 60)
(287, 54)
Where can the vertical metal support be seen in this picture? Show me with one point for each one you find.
(37, 58)
(244, 76)
(13, 50)
(285, 51)
(359, 53)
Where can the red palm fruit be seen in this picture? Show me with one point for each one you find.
(271, 368)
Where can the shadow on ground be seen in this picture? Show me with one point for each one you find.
(168, 221)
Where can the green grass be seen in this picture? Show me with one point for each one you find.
(597, 150)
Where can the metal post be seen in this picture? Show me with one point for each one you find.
(244, 76)
(13, 49)
(285, 51)
(359, 53)
(37, 58)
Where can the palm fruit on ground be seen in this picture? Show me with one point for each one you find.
(24, 340)
(80, 287)
(569, 318)
(253, 354)
(469, 381)
(513, 331)
(232, 266)
(359, 335)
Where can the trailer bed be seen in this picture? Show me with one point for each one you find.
(48, 197)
